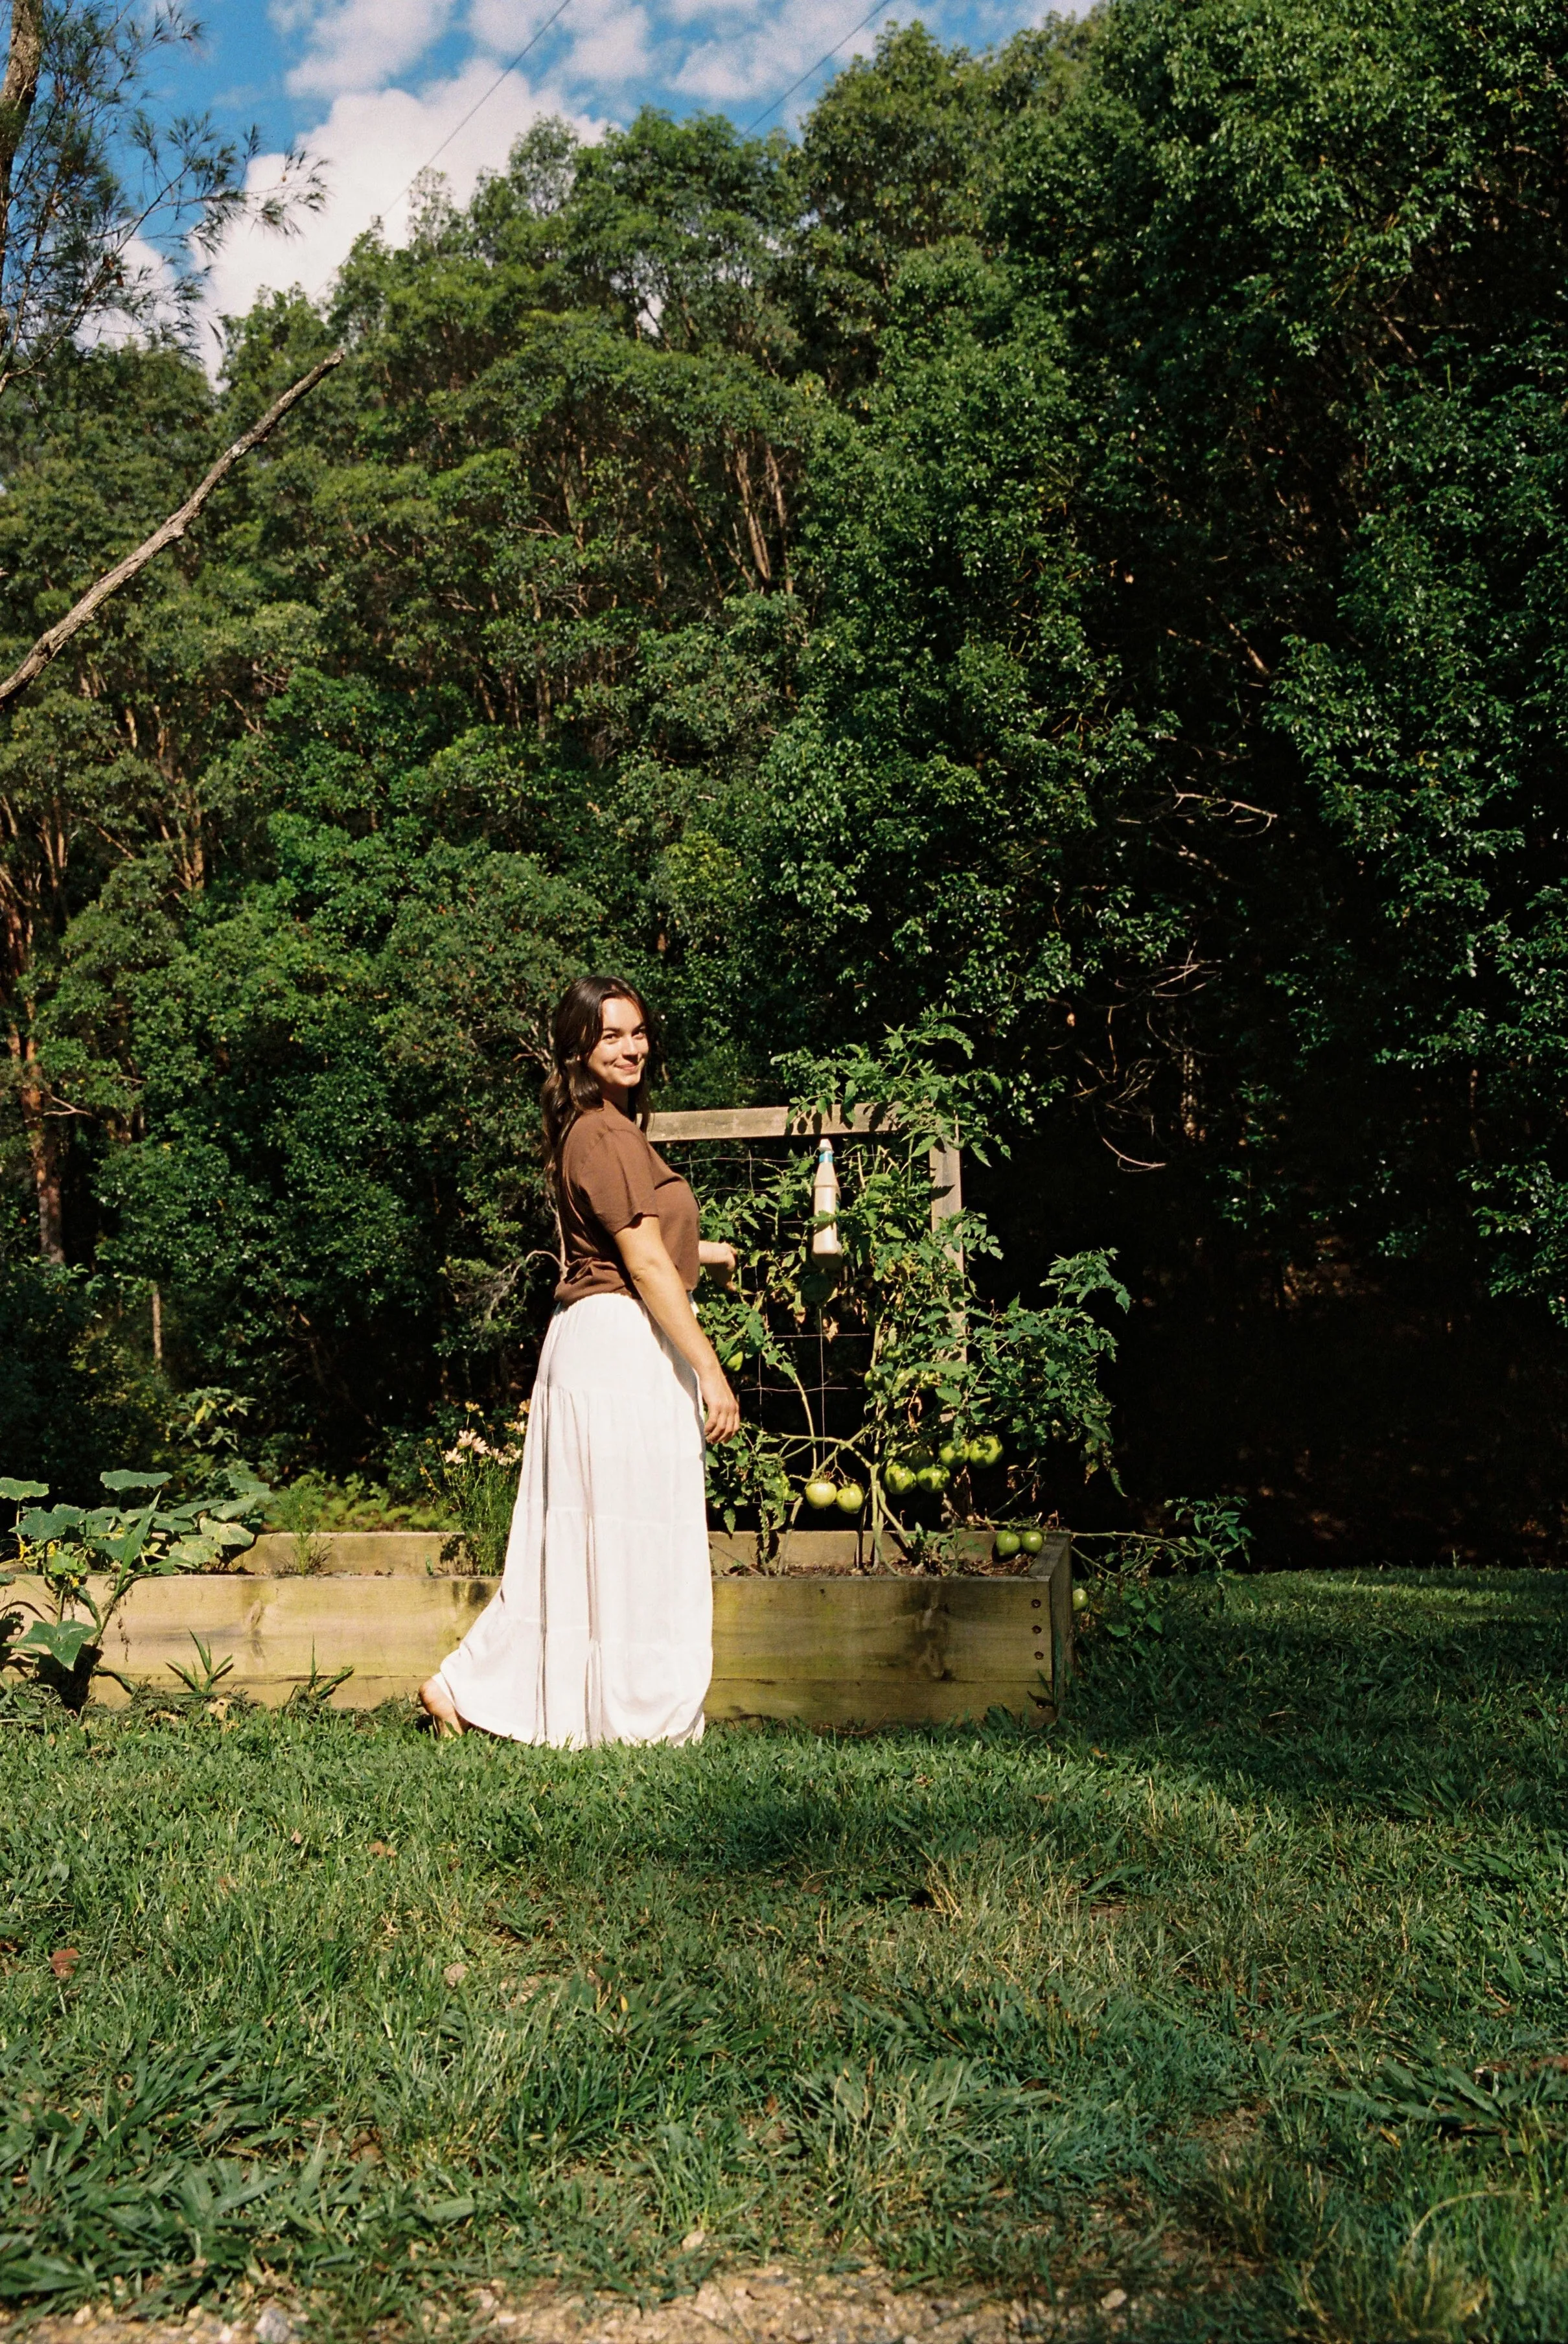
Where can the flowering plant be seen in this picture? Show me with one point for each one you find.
(477, 1476)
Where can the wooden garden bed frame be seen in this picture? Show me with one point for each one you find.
(826, 1651)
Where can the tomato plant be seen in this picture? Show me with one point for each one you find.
(935, 1399)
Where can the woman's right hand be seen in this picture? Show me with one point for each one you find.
(722, 1407)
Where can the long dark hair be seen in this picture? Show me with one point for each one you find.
(570, 1089)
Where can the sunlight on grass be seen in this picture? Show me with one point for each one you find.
(1243, 1990)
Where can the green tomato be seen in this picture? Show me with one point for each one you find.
(1081, 1599)
(1006, 1545)
(952, 1454)
(897, 1479)
(1032, 1541)
(850, 1498)
(985, 1451)
(933, 1479)
(821, 1494)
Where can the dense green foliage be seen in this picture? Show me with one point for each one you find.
(1074, 544)
(1249, 2000)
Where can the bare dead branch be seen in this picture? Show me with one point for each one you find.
(167, 533)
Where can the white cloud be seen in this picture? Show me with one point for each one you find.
(609, 45)
(761, 52)
(715, 51)
(504, 25)
(607, 40)
(605, 57)
(358, 45)
(372, 143)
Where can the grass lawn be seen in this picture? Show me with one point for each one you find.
(1244, 1991)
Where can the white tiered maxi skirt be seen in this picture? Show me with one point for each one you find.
(602, 1630)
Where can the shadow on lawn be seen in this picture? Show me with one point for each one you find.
(1418, 1696)
(1369, 1701)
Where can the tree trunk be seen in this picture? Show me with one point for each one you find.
(43, 1152)
(17, 93)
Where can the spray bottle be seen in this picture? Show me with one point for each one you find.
(825, 1202)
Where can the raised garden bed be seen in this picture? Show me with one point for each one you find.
(826, 1650)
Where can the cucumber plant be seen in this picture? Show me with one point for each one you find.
(88, 1559)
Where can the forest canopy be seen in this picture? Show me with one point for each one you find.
(1073, 544)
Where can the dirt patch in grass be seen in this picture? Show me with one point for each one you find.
(770, 2305)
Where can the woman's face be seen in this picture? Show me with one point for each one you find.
(620, 1054)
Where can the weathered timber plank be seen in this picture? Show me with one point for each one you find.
(833, 1651)
(765, 1123)
(856, 1628)
(907, 1700)
(390, 1632)
(1060, 1586)
(947, 1182)
(403, 1554)
(362, 1554)
(877, 1650)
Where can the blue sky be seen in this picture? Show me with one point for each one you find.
(374, 88)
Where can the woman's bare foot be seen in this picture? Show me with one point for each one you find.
(436, 1704)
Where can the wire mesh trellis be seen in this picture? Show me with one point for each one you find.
(799, 1334)
(825, 1396)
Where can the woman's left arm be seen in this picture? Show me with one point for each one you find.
(659, 1291)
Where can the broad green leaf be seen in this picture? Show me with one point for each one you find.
(232, 1536)
(126, 1549)
(58, 1641)
(228, 1508)
(20, 1490)
(39, 1529)
(124, 1480)
(193, 1553)
(176, 1519)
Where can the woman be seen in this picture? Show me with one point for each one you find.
(603, 1627)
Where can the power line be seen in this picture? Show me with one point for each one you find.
(483, 99)
(532, 43)
(486, 98)
(826, 58)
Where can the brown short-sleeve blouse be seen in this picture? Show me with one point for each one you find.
(611, 1176)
